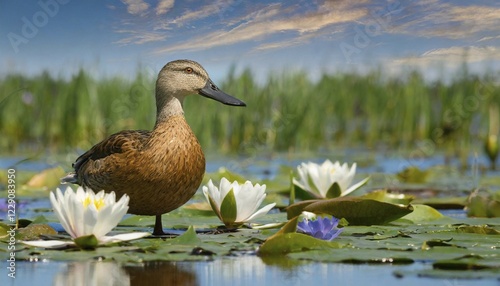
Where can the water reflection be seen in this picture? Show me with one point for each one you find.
(161, 273)
(97, 273)
(92, 273)
(239, 271)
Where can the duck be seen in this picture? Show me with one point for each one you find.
(161, 169)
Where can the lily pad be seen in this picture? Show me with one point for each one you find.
(33, 231)
(423, 213)
(484, 204)
(287, 240)
(356, 211)
(385, 196)
(46, 179)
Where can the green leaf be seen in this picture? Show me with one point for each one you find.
(437, 242)
(463, 264)
(479, 229)
(228, 209)
(289, 227)
(33, 231)
(314, 189)
(187, 238)
(384, 196)
(87, 242)
(423, 213)
(413, 175)
(359, 211)
(297, 208)
(483, 204)
(292, 189)
(334, 191)
(213, 205)
(293, 242)
(230, 176)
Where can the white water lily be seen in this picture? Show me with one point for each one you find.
(327, 180)
(84, 213)
(236, 204)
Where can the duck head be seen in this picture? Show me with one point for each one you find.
(181, 78)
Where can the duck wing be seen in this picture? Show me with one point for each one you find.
(121, 142)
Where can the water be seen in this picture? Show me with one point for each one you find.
(242, 270)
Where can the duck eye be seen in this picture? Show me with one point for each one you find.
(188, 70)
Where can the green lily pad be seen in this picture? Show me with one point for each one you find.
(387, 197)
(484, 204)
(356, 211)
(287, 240)
(479, 229)
(46, 179)
(33, 231)
(423, 213)
(187, 238)
(293, 242)
(413, 175)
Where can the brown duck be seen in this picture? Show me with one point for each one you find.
(159, 170)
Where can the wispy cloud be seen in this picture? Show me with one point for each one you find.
(269, 21)
(434, 18)
(451, 56)
(489, 38)
(203, 12)
(140, 37)
(164, 6)
(136, 7)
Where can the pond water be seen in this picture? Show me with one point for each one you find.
(241, 271)
(247, 268)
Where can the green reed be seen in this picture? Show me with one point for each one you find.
(285, 113)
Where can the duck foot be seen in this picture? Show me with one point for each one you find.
(158, 229)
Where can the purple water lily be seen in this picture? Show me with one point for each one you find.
(323, 228)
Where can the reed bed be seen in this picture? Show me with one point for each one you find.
(288, 112)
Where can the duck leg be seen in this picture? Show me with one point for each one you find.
(158, 230)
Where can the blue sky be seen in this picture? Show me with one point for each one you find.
(116, 37)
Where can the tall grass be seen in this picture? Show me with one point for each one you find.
(287, 112)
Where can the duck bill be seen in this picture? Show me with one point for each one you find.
(212, 91)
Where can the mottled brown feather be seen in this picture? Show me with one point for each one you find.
(159, 170)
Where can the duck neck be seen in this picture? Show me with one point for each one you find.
(166, 107)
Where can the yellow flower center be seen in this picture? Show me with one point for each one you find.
(98, 203)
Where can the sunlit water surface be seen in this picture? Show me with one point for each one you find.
(241, 270)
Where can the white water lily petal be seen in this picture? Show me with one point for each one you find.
(248, 198)
(319, 178)
(124, 237)
(83, 212)
(48, 243)
(355, 186)
(263, 211)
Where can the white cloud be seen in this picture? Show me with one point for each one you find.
(135, 7)
(270, 21)
(444, 62)
(458, 54)
(164, 6)
(202, 12)
(140, 37)
(434, 18)
(490, 38)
